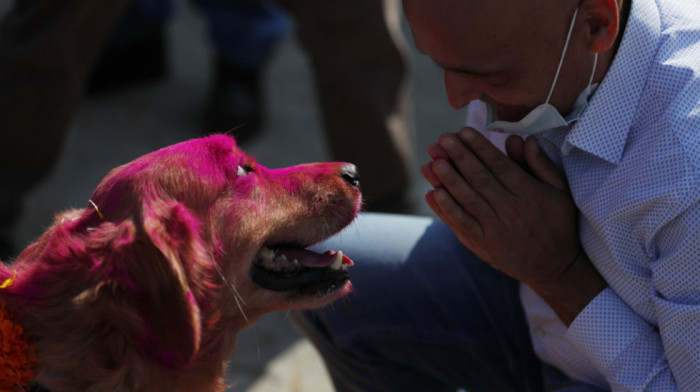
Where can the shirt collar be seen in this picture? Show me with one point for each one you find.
(604, 126)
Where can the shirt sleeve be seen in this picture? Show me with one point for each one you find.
(662, 352)
(627, 350)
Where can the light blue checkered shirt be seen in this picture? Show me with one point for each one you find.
(633, 164)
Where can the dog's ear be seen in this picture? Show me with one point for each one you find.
(173, 334)
(142, 288)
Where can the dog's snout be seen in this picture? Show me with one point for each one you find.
(350, 174)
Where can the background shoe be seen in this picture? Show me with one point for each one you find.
(235, 101)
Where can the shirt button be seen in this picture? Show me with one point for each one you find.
(539, 332)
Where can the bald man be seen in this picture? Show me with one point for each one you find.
(566, 254)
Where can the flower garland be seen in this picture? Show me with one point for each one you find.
(17, 360)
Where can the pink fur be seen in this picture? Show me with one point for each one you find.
(140, 300)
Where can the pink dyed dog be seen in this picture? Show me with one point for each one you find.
(147, 287)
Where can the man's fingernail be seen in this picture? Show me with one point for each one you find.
(468, 134)
(440, 167)
(447, 142)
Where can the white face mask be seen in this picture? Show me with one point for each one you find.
(545, 116)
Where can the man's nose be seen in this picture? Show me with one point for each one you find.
(461, 89)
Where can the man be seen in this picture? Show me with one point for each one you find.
(591, 224)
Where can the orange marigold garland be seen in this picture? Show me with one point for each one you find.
(17, 361)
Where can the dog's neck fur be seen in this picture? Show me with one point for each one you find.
(70, 354)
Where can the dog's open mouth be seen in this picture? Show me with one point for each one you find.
(301, 270)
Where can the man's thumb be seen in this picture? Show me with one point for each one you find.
(542, 167)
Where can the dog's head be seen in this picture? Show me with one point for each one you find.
(186, 242)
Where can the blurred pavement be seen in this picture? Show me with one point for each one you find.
(113, 129)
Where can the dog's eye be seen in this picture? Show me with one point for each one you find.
(244, 170)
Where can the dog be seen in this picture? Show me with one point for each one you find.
(146, 288)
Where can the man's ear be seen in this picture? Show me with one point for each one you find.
(602, 21)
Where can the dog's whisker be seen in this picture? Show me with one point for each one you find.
(236, 296)
(257, 341)
(327, 226)
(235, 292)
(238, 299)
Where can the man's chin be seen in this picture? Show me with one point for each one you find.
(509, 112)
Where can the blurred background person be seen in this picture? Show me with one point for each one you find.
(361, 64)
(358, 54)
(243, 35)
(48, 47)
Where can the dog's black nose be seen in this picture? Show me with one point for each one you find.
(349, 173)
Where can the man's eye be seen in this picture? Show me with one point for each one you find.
(244, 170)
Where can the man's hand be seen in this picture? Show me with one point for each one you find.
(524, 224)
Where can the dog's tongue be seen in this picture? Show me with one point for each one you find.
(311, 259)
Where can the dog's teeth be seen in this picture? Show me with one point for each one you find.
(337, 262)
(266, 254)
(295, 262)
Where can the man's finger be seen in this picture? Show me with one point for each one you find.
(437, 152)
(451, 213)
(427, 171)
(503, 169)
(515, 150)
(462, 192)
(542, 167)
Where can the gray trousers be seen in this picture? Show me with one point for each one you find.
(425, 314)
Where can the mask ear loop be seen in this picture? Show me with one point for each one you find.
(595, 63)
(563, 54)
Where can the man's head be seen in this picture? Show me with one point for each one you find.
(506, 52)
